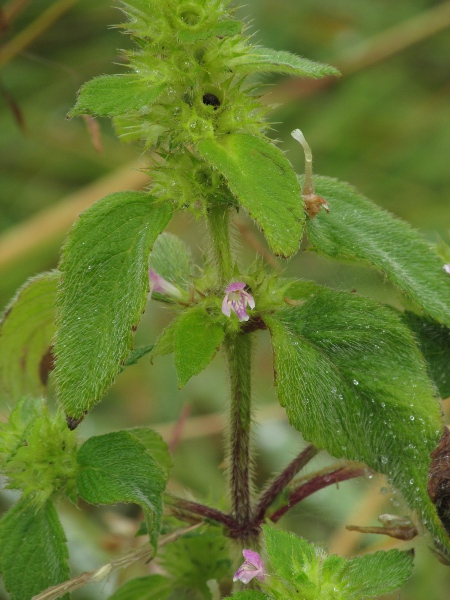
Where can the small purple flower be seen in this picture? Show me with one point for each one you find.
(236, 300)
(252, 567)
(159, 285)
(447, 268)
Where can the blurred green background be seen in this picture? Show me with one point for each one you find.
(384, 126)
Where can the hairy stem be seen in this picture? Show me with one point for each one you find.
(219, 229)
(280, 482)
(238, 348)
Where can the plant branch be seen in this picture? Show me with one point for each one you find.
(179, 505)
(238, 348)
(144, 552)
(280, 482)
(317, 483)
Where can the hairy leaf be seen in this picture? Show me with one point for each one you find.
(357, 229)
(264, 183)
(104, 288)
(434, 342)
(115, 95)
(266, 60)
(155, 446)
(117, 467)
(379, 573)
(144, 588)
(288, 553)
(33, 551)
(197, 339)
(353, 382)
(171, 259)
(305, 568)
(26, 333)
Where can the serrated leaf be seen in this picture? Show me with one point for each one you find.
(172, 259)
(117, 467)
(26, 334)
(357, 229)
(103, 292)
(264, 183)
(196, 341)
(353, 382)
(144, 588)
(33, 551)
(288, 553)
(266, 60)
(434, 343)
(115, 95)
(379, 573)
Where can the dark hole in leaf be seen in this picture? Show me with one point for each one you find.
(211, 100)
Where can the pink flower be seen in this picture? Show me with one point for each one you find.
(236, 300)
(447, 268)
(252, 567)
(159, 285)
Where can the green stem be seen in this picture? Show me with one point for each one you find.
(219, 229)
(238, 348)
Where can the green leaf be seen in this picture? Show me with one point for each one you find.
(307, 569)
(379, 573)
(117, 467)
(289, 554)
(38, 452)
(172, 259)
(194, 559)
(434, 343)
(115, 95)
(353, 382)
(136, 354)
(266, 60)
(26, 333)
(155, 446)
(144, 588)
(357, 229)
(197, 339)
(33, 551)
(166, 341)
(103, 292)
(264, 183)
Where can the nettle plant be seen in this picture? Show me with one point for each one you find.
(358, 379)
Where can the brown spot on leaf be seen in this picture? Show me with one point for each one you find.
(314, 204)
(73, 422)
